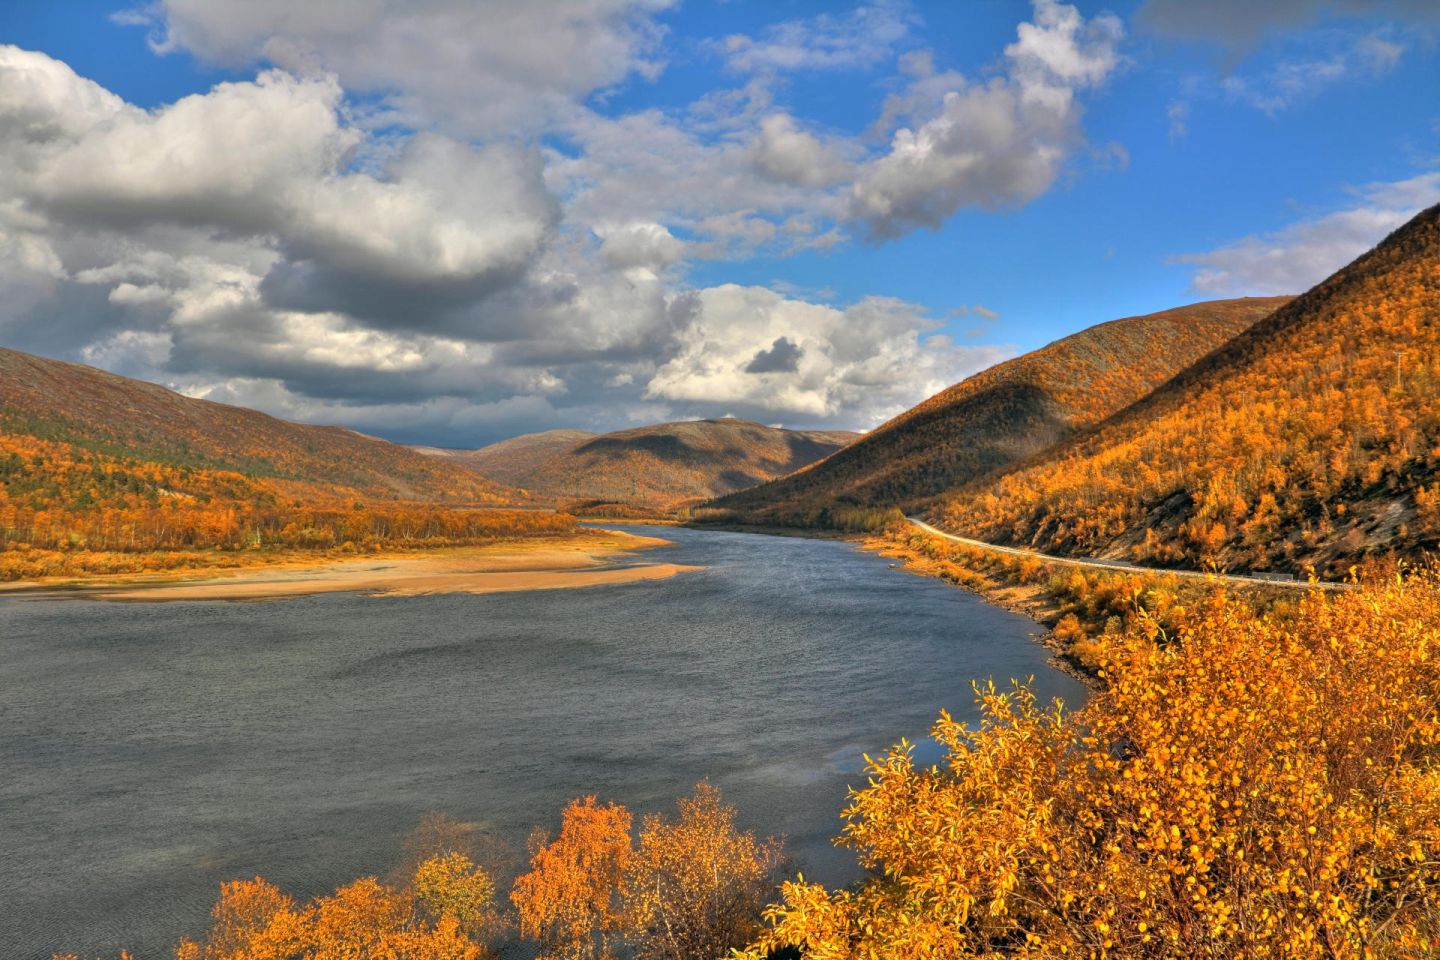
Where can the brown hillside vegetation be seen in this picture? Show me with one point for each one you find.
(666, 465)
(1312, 438)
(1002, 415)
(510, 460)
(97, 411)
(103, 474)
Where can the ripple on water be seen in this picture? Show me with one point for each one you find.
(153, 750)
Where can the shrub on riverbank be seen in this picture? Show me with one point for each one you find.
(685, 887)
(1245, 785)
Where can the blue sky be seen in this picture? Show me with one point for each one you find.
(464, 222)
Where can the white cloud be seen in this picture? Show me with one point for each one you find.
(1178, 113)
(1297, 257)
(994, 144)
(788, 154)
(475, 68)
(365, 232)
(268, 158)
(751, 349)
(1295, 79)
(639, 245)
(866, 36)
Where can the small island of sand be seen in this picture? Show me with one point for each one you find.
(589, 557)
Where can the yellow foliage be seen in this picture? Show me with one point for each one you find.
(570, 899)
(1256, 786)
(253, 920)
(452, 885)
(696, 886)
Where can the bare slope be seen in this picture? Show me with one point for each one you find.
(1001, 416)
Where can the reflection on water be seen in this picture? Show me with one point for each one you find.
(152, 750)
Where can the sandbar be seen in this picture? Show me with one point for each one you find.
(590, 557)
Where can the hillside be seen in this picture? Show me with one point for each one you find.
(658, 467)
(1312, 438)
(100, 412)
(1000, 416)
(510, 460)
(103, 474)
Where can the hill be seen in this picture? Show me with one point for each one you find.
(107, 414)
(1311, 438)
(999, 417)
(101, 473)
(510, 460)
(656, 467)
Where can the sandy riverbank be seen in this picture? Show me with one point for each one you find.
(588, 558)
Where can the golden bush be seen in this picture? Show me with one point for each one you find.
(1256, 786)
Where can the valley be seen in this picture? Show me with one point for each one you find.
(685, 480)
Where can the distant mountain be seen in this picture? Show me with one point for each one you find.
(510, 460)
(92, 413)
(659, 466)
(1311, 438)
(1000, 416)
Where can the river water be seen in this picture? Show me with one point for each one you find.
(151, 750)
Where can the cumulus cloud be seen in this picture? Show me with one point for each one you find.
(475, 68)
(640, 245)
(788, 154)
(419, 219)
(1297, 257)
(993, 144)
(230, 246)
(751, 350)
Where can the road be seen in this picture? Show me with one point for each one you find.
(1132, 568)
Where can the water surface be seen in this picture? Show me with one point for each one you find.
(150, 751)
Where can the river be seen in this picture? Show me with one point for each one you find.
(151, 750)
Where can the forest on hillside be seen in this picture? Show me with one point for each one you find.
(997, 417)
(1313, 438)
(68, 509)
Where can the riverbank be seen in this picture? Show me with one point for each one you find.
(588, 557)
(1083, 609)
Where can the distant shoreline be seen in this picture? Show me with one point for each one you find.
(590, 557)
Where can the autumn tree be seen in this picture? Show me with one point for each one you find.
(696, 886)
(570, 900)
(451, 884)
(1243, 787)
(253, 920)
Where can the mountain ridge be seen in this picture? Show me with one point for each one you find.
(1000, 416)
(659, 466)
(117, 415)
(1311, 438)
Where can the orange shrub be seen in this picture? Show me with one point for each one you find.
(1246, 787)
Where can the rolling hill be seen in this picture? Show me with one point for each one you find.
(508, 461)
(118, 417)
(999, 417)
(103, 474)
(655, 467)
(1311, 438)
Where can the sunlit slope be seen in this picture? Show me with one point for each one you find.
(87, 414)
(668, 464)
(1002, 415)
(510, 460)
(1314, 437)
